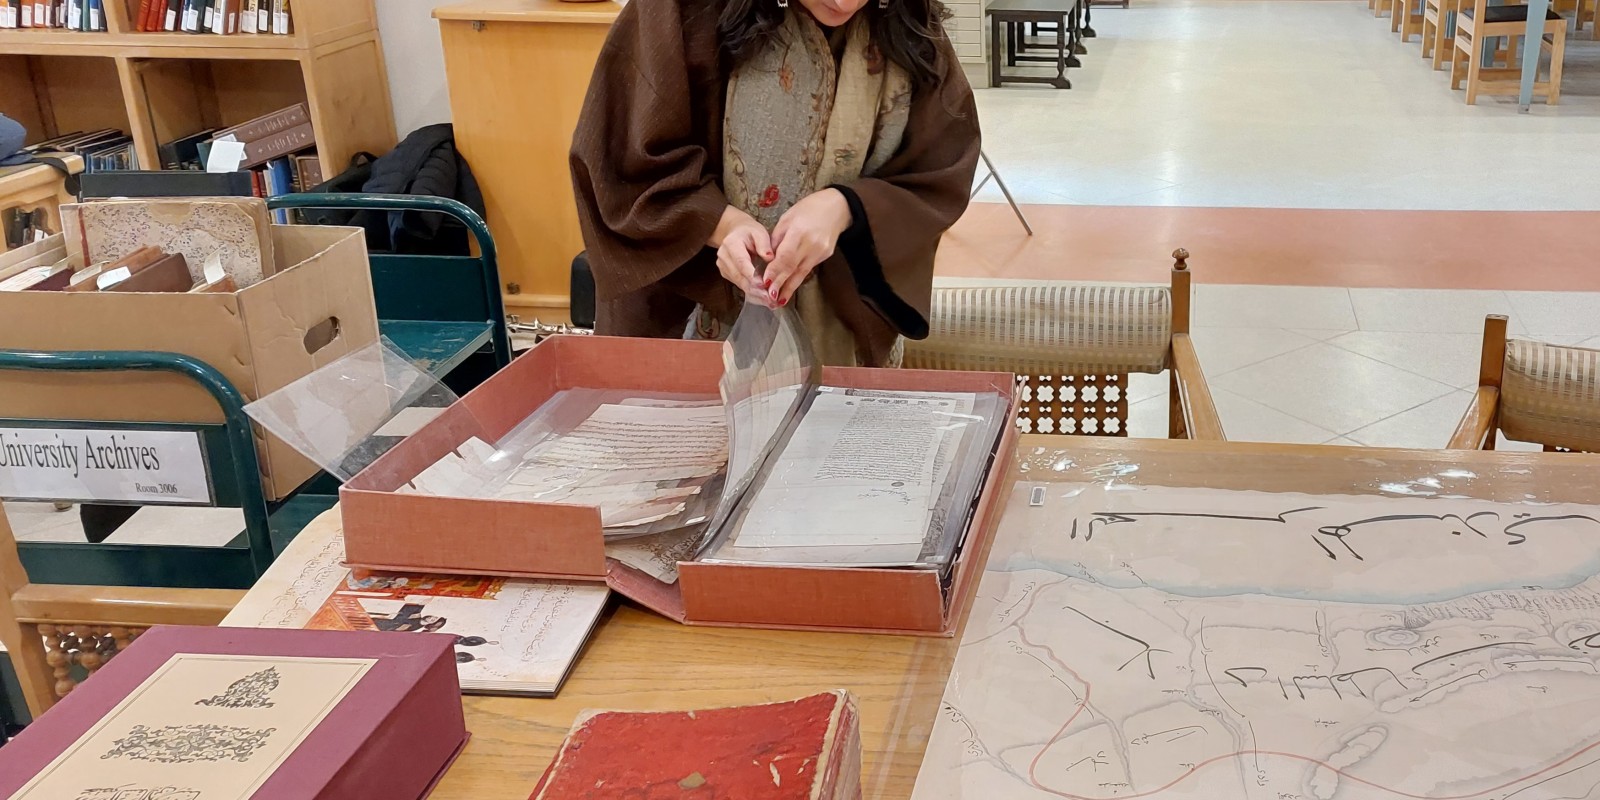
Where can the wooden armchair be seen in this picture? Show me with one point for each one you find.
(57, 635)
(1072, 347)
(1533, 392)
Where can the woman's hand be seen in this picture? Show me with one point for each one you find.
(740, 240)
(804, 238)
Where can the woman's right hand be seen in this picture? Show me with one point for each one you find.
(740, 240)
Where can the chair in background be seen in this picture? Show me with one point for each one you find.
(1534, 392)
(1477, 22)
(1437, 44)
(1406, 18)
(1072, 347)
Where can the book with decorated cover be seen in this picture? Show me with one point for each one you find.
(234, 714)
(511, 636)
(805, 749)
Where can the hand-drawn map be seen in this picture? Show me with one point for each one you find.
(1193, 643)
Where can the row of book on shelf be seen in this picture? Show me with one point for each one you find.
(187, 16)
(278, 151)
(70, 15)
(215, 16)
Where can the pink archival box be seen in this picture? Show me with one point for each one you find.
(392, 736)
(424, 533)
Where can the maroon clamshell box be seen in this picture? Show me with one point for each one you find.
(398, 532)
(392, 736)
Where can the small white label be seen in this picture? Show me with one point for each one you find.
(1036, 496)
(226, 156)
(106, 280)
(213, 269)
(83, 465)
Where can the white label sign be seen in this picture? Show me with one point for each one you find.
(147, 467)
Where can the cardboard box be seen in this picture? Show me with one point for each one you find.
(316, 308)
(425, 533)
(183, 712)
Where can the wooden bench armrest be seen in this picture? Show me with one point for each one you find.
(1477, 425)
(123, 606)
(1199, 411)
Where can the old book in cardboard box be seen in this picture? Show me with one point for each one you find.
(733, 484)
(234, 713)
(314, 305)
(236, 228)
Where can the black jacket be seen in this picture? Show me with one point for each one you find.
(425, 163)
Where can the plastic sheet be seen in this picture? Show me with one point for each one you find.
(348, 413)
(842, 476)
(1186, 621)
(610, 448)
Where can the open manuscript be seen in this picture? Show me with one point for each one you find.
(779, 469)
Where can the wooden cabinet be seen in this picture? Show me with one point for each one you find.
(162, 86)
(518, 72)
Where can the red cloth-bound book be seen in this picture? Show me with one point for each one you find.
(249, 714)
(806, 749)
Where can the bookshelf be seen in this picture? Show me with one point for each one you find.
(159, 86)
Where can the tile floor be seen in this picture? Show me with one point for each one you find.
(1276, 104)
(1285, 104)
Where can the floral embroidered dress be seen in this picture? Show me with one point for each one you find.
(670, 136)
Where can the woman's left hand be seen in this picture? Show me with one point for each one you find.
(805, 237)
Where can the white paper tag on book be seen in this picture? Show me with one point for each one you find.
(226, 156)
(213, 269)
(112, 278)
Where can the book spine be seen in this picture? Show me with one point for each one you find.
(280, 144)
(140, 22)
(310, 171)
(247, 16)
(96, 19)
(263, 16)
(208, 13)
(231, 23)
(170, 21)
(262, 127)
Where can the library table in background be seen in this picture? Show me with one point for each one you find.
(639, 661)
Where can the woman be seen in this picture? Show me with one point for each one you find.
(809, 155)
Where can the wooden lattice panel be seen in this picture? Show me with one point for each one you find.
(74, 652)
(1086, 405)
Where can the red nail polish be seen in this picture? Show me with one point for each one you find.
(783, 302)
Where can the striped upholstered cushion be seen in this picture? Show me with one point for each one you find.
(1059, 329)
(1551, 395)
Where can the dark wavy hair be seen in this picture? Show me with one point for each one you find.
(907, 31)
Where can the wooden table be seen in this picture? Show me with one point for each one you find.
(518, 72)
(641, 661)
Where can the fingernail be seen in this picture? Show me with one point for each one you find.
(766, 283)
(783, 302)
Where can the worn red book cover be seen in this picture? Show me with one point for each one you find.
(249, 714)
(806, 749)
